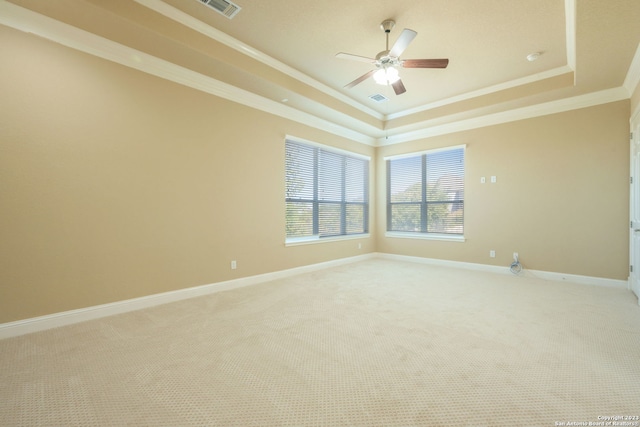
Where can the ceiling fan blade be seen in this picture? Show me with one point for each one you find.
(360, 79)
(403, 41)
(343, 55)
(398, 87)
(425, 63)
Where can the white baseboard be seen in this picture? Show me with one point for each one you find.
(583, 280)
(634, 289)
(36, 324)
(41, 323)
(443, 263)
(546, 275)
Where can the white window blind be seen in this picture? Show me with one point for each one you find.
(425, 192)
(326, 192)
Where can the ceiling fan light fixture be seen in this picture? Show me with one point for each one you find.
(386, 76)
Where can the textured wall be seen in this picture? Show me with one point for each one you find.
(560, 200)
(115, 184)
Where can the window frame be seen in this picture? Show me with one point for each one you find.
(317, 202)
(424, 235)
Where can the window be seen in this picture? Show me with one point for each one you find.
(425, 193)
(327, 192)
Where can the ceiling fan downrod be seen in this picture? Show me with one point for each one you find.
(386, 26)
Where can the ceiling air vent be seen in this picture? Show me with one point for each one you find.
(378, 97)
(223, 7)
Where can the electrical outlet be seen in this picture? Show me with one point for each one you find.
(234, 264)
(359, 245)
(483, 180)
(515, 256)
(492, 253)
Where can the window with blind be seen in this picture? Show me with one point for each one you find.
(327, 192)
(425, 192)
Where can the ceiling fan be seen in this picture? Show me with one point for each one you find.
(388, 61)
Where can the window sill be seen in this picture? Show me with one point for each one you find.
(316, 239)
(426, 236)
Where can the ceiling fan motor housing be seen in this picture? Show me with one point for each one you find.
(384, 61)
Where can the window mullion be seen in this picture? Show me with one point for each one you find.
(389, 204)
(423, 204)
(323, 192)
(316, 206)
(425, 192)
(343, 194)
(365, 210)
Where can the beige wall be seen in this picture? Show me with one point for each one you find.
(115, 184)
(560, 200)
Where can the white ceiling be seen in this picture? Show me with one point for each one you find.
(285, 49)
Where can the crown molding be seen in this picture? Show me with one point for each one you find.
(632, 79)
(485, 91)
(570, 34)
(570, 13)
(189, 21)
(28, 21)
(543, 109)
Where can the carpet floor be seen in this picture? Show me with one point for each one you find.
(373, 343)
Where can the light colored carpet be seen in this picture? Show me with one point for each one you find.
(374, 343)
